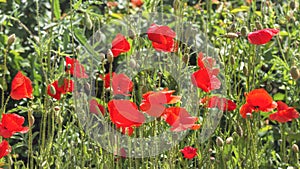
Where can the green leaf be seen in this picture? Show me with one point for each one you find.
(240, 9)
(279, 96)
(283, 33)
(56, 9)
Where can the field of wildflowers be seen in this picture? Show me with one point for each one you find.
(149, 84)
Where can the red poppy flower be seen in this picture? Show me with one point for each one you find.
(219, 102)
(121, 84)
(106, 79)
(207, 63)
(189, 152)
(95, 107)
(137, 3)
(162, 38)
(4, 148)
(261, 37)
(257, 100)
(67, 86)
(119, 45)
(153, 102)
(125, 115)
(284, 113)
(75, 68)
(10, 124)
(21, 87)
(179, 119)
(204, 80)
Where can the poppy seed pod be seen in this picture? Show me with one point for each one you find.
(295, 148)
(244, 31)
(294, 72)
(11, 39)
(110, 56)
(231, 35)
(219, 141)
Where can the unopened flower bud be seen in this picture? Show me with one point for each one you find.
(88, 21)
(132, 63)
(295, 148)
(240, 131)
(258, 25)
(219, 141)
(52, 90)
(31, 120)
(229, 140)
(56, 108)
(77, 49)
(231, 35)
(101, 56)
(11, 39)
(110, 56)
(244, 31)
(294, 72)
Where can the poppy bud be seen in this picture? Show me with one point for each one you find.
(131, 34)
(31, 120)
(244, 31)
(212, 158)
(77, 49)
(229, 140)
(245, 70)
(295, 148)
(88, 21)
(132, 63)
(240, 131)
(101, 56)
(52, 90)
(294, 72)
(219, 141)
(232, 60)
(258, 25)
(231, 35)
(185, 58)
(110, 56)
(11, 39)
(232, 27)
(56, 108)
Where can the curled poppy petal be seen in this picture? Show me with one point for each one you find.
(10, 124)
(119, 45)
(21, 87)
(284, 113)
(124, 114)
(55, 90)
(137, 3)
(219, 102)
(261, 37)
(106, 79)
(4, 148)
(75, 68)
(162, 38)
(121, 84)
(205, 81)
(246, 109)
(95, 107)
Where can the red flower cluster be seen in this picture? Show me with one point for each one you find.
(75, 68)
(179, 119)
(284, 113)
(206, 77)
(56, 89)
(21, 87)
(219, 102)
(261, 37)
(4, 148)
(153, 102)
(137, 3)
(189, 152)
(95, 107)
(121, 84)
(257, 100)
(119, 45)
(162, 38)
(125, 115)
(11, 124)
